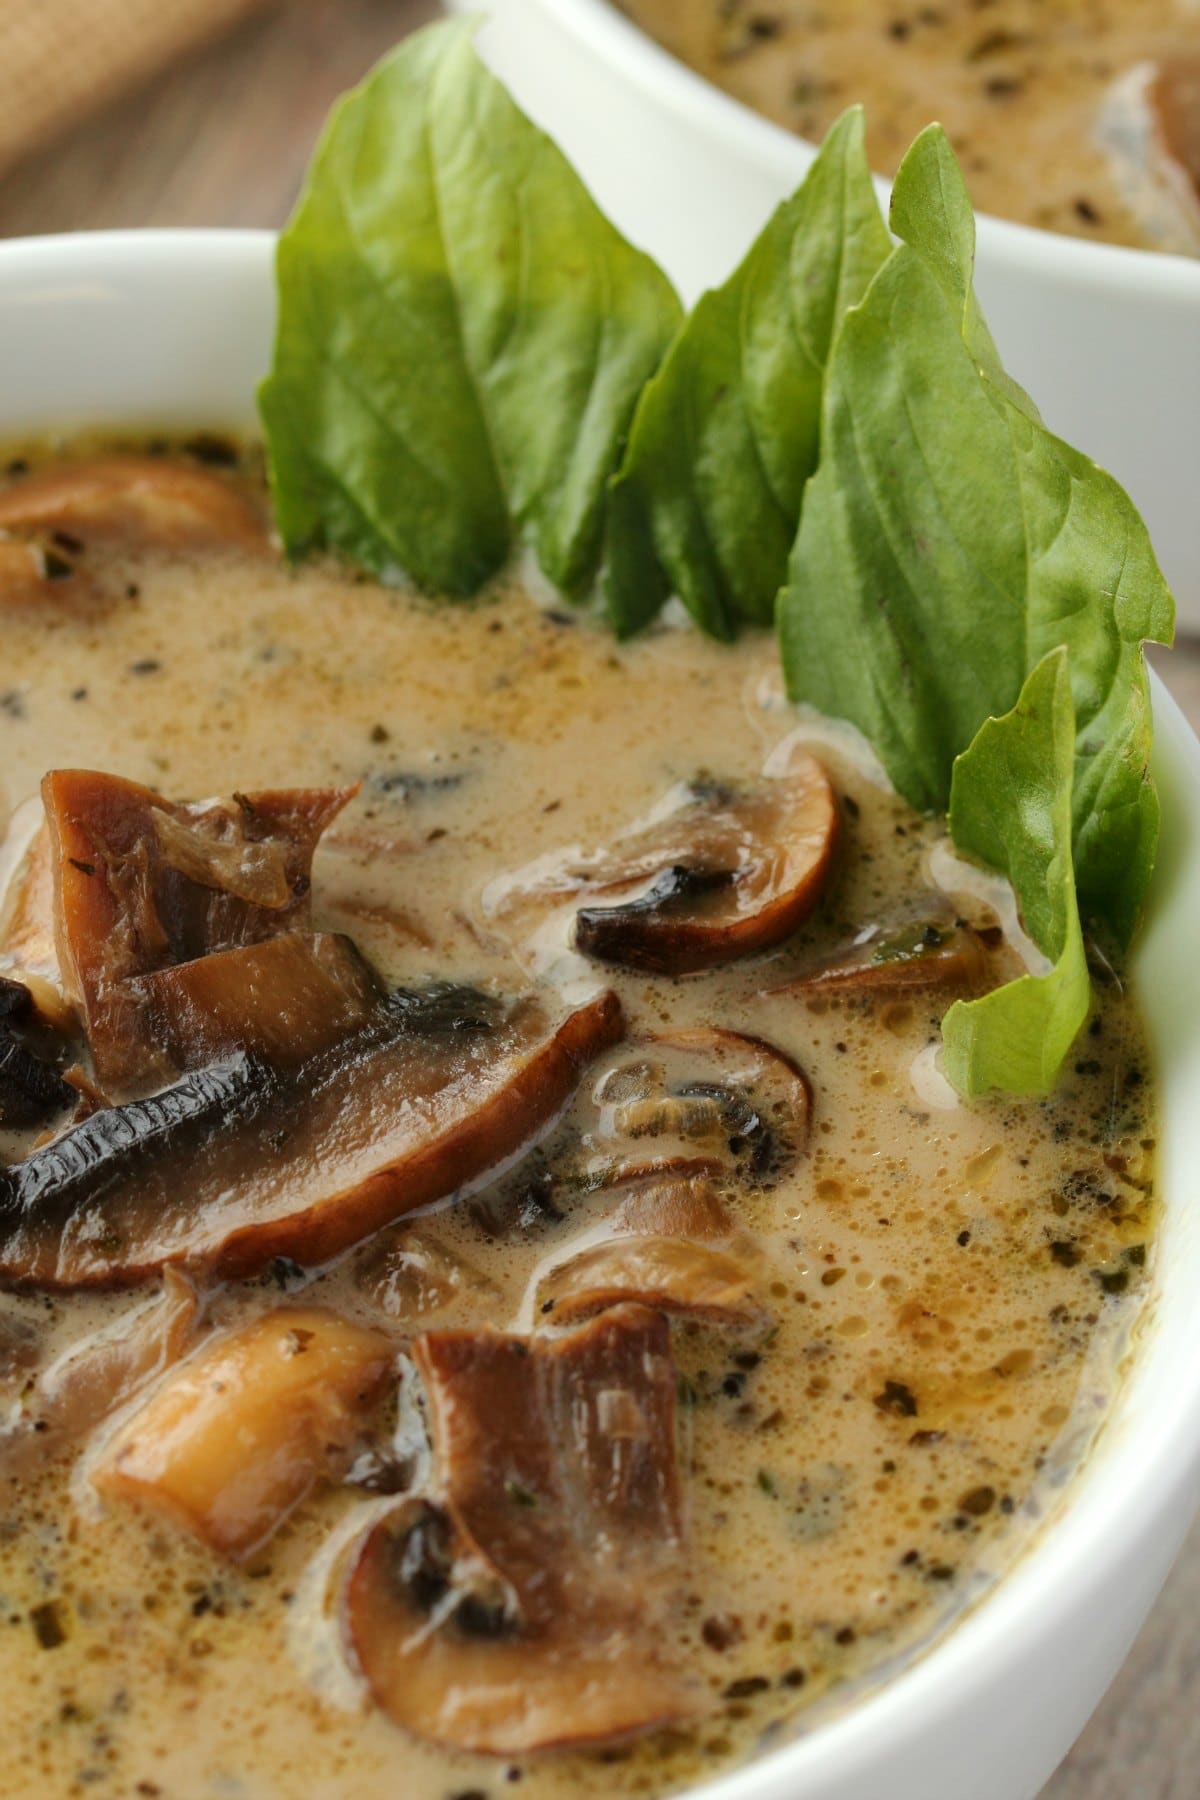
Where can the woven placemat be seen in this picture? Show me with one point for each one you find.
(62, 59)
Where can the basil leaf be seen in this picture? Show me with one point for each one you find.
(948, 541)
(726, 434)
(931, 210)
(1010, 806)
(462, 335)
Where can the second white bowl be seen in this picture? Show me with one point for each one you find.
(1106, 340)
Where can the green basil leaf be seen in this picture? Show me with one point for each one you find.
(948, 541)
(931, 210)
(462, 335)
(1010, 807)
(726, 434)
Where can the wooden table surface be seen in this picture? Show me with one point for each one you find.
(224, 141)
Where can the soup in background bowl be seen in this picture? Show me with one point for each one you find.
(1041, 1647)
(1071, 117)
(1103, 336)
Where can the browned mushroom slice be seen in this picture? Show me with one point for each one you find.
(238, 1162)
(698, 1280)
(931, 946)
(694, 1102)
(147, 499)
(142, 883)
(96, 1376)
(735, 869)
(237, 1437)
(660, 1246)
(286, 999)
(532, 1609)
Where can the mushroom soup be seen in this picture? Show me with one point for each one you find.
(1068, 114)
(497, 1291)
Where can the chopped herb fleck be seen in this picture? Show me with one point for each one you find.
(49, 1624)
(897, 1399)
(746, 1687)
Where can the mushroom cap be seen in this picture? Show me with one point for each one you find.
(705, 1101)
(148, 499)
(237, 1436)
(50, 518)
(285, 999)
(926, 945)
(717, 870)
(736, 870)
(238, 1163)
(141, 883)
(532, 1613)
(701, 1281)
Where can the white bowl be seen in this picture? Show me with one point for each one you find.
(173, 329)
(1107, 340)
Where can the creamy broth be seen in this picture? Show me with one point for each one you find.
(947, 1291)
(1050, 104)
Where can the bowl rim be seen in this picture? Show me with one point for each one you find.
(667, 82)
(1144, 1469)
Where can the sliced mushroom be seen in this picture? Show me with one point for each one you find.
(660, 1245)
(732, 868)
(284, 1000)
(532, 1609)
(929, 946)
(145, 499)
(735, 869)
(94, 1377)
(240, 1434)
(584, 1425)
(697, 1280)
(671, 1206)
(141, 884)
(238, 1163)
(698, 1102)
